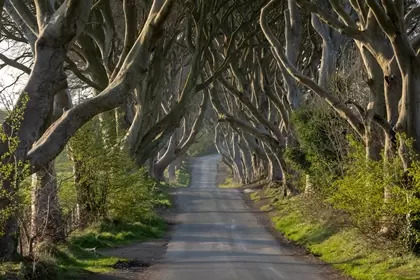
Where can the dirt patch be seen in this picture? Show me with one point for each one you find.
(130, 264)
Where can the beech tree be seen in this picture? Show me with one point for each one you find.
(252, 68)
(55, 31)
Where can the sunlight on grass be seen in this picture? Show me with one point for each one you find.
(76, 261)
(9, 268)
(112, 235)
(344, 249)
(255, 196)
(78, 257)
(229, 183)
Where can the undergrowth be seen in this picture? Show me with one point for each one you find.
(346, 248)
(229, 183)
(78, 257)
(113, 234)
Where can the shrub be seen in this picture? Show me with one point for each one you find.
(183, 176)
(377, 196)
(322, 146)
(12, 170)
(108, 182)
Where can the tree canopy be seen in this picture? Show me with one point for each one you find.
(308, 96)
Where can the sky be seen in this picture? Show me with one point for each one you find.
(12, 80)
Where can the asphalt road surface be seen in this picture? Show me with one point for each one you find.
(217, 237)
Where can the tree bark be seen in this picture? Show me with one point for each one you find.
(46, 79)
(47, 220)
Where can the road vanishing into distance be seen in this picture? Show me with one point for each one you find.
(217, 237)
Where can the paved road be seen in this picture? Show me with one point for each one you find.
(217, 237)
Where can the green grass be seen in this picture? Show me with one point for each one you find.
(257, 197)
(345, 249)
(74, 260)
(229, 183)
(65, 261)
(112, 235)
(9, 268)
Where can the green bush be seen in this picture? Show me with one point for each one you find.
(183, 176)
(322, 147)
(108, 181)
(12, 171)
(376, 195)
(132, 196)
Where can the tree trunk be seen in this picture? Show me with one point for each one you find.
(172, 172)
(35, 103)
(47, 220)
(293, 36)
(247, 161)
(46, 216)
(85, 209)
(275, 172)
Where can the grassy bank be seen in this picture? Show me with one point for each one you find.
(229, 183)
(112, 235)
(78, 257)
(343, 247)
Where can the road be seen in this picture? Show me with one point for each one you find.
(217, 237)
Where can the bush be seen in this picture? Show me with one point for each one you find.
(322, 147)
(183, 176)
(376, 195)
(108, 182)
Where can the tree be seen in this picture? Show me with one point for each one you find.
(57, 30)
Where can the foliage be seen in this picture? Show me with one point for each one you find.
(111, 234)
(108, 181)
(12, 170)
(66, 182)
(204, 144)
(133, 195)
(183, 177)
(322, 145)
(346, 249)
(365, 185)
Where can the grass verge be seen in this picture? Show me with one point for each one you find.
(62, 262)
(229, 183)
(107, 235)
(77, 258)
(345, 248)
